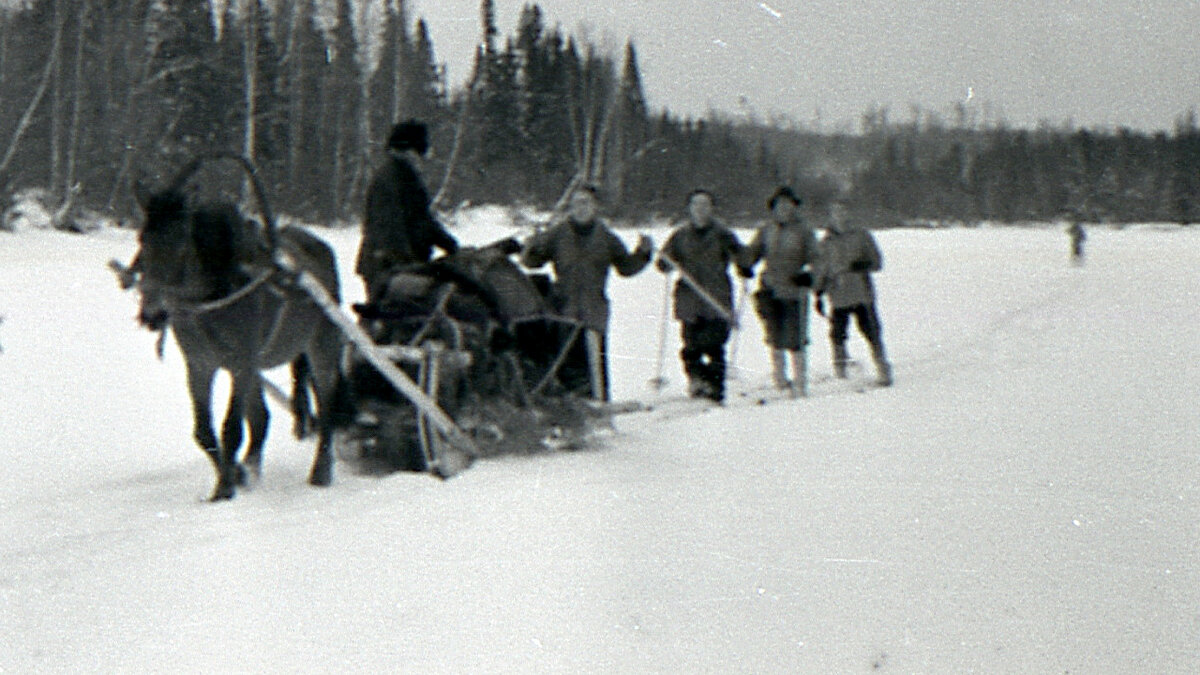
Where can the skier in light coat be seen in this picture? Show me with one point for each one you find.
(582, 249)
(789, 248)
(703, 248)
(849, 255)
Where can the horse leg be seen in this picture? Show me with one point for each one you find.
(258, 418)
(200, 379)
(302, 417)
(330, 389)
(321, 474)
(231, 473)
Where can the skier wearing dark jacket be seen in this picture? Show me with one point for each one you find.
(398, 228)
(789, 247)
(582, 249)
(703, 248)
(849, 255)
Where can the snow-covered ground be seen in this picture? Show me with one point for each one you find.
(1024, 500)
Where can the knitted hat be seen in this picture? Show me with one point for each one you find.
(409, 135)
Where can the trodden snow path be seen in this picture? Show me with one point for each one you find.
(1023, 500)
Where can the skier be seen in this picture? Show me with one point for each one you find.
(398, 228)
(849, 255)
(703, 248)
(1078, 236)
(582, 249)
(789, 247)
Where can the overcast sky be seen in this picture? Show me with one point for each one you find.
(1093, 62)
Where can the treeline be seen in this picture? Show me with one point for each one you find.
(97, 93)
(934, 171)
(963, 171)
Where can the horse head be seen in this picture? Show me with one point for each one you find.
(190, 252)
(166, 253)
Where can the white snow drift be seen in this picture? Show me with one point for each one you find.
(1024, 500)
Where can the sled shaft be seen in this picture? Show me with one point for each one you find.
(396, 377)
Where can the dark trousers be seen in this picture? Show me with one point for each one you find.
(376, 286)
(703, 353)
(868, 324)
(785, 322)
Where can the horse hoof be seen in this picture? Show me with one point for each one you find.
(301, 431)
(247, 476)
(222, 494)
(323, 479)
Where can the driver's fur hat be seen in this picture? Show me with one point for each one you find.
(409, 135)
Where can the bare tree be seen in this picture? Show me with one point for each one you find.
(39, 94)
(70, 189)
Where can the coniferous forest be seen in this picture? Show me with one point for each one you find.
(95, 94)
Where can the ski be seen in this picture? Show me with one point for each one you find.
(676, 406)
(667, 407)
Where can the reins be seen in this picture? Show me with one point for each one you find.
(221, 303)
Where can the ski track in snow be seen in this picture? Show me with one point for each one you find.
(1024, 499)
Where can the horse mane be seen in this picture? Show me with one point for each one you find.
(227, 247)
(165, 208)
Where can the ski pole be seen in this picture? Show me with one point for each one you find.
(801, 356)
(707, 297)
(658, 381)
(739, 308)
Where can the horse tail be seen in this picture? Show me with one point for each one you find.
(338, 411)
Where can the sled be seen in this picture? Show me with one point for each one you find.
(479, 358)
(443, 462)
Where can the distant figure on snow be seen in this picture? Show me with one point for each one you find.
(703, 249)
(1078, 235)
(398, 227)
(582, 249)
(789, 247)
(849, 255)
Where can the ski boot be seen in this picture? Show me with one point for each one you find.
(841, 359)
(779, 370)
(799, 373)
(883, 369)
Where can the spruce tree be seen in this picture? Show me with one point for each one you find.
(424, 98)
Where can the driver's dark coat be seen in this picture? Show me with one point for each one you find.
(398, 228)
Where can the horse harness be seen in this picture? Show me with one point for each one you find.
(273, 281)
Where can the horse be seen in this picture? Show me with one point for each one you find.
(227, 290)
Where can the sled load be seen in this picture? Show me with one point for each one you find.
(481, 338)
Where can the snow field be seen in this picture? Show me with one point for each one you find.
(1023, 500)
